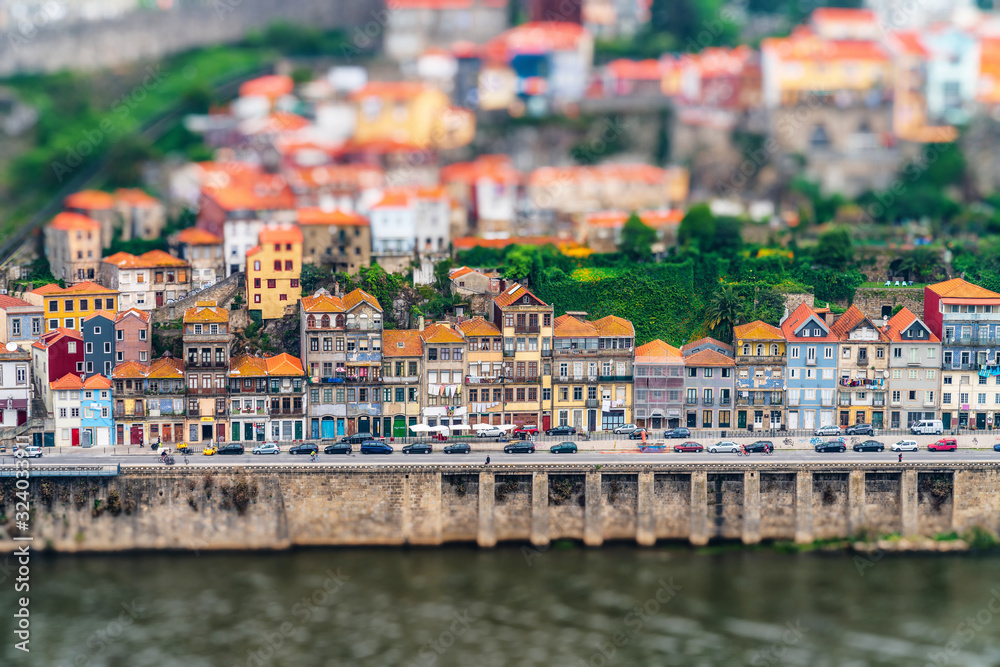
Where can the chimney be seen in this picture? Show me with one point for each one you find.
(828, 317)
(420, 322)
(578, 314)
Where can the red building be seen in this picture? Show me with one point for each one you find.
(54, 355)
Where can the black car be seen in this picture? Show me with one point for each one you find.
(418, 448)
(519, 448)
(357, 438)
(637, 434)
(760, 446)
(561, 430)
(306, 448)
(338, 448)
(375, 447)
(831, 446)
(860, 429)
(680, 432)
(458, 448)
(869, 446)
(234, 449)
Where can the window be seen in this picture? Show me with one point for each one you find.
(282, 297)
(107, 348)
(15, 327)
(36, 326)
(90, 348)
(880, 353)
(271, 283)
(828, 352)
(288, 264)
(256, 283)
(794, 353)
(142, 334)
(109, 304)
(897, 353)
(946, 398)
(277, 265)
(256, 265)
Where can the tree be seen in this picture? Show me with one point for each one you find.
(724, 312)
(923, 262)
(314, 276)
(834, 249)
(697, 227)
(637, 240)
(442, 282)
(728, 236)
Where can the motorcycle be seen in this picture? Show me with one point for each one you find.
(168, 460)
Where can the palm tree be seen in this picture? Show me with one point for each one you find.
(724, 312)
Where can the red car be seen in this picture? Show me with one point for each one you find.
(943, 445)
(688, 446)
(527, 429)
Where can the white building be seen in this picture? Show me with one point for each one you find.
(15, 386)
(147, 281)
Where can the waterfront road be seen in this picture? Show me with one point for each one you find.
(83, 457)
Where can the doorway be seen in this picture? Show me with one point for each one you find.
(206, 432)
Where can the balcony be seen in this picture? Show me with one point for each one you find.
(862, 361)
(725, 401)
(248, 412)
(758, 401)
(878, 402)
(961, 367)
(207, 391)
(207, 364)
(810, 361)
(615, 378)
(577, 352)
(475, 379)
(826, 402)
(574, 378)
(751, 360)
(362, 357)
(546, 353)
(793, 402)
(691, 400)
(404, 379)
(527, 329)
(522, 379)
(708, 401)
(895, 402)
(592, 403)
(508, 352)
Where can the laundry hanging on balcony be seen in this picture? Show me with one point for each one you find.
(989, 371)
(877, 383)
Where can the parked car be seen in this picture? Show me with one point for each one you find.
(996, 448)
(561, 430)
(689, 446)
(638, 433)
(232, 448)
(563, 448)
(418, 448)
(869, 446)
(904, 446)
(337, 448)
(267, 448)
(32, 452)
(724, 447)
(458, 448)
(680, 432)
(927, 427)
(829, 429)
(831, 446)
(943, 445)
(760, 446)
(860, 429)
(375, 447)
(305, 448)
(210, 450)
(491, 432)
(525, 430)
(519, 448)
(625, 428)
(357, 438)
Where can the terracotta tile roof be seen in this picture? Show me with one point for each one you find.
(656, 351)
(393, 198)
(491, 168)
(821, 14)
(206, 311)
(322, 303)
(757, 330)
(284, 365)
(345, 176)
(402, 343)
(477, 326)
(166, 368)
(709, 358)
(130, 370)
(336, 217)
(649, 69)
(47, 340)
(270, 85)
(513, 293)
(106, 314)
(440, 333)
(567, 326)
(458, 273)
(614, 326)
(537, 37)
(89, 200)
(141, 314)
(707, 340)
(851, 318)
(136, 197)
(245, 365)
(47, 289)
(147, 260)
(354, 297)
(957, 288)
(67, 382)
(7, 301)
(197, 236)
(389, 89)
(97, 382)
(908, 42)
(798, 317)
(582, 175)
(606, 219)
(252, 197)
(289, 234)
(86, 287)
(900, 322)
(73, 222)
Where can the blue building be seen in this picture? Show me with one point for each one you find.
(811, 367)
(99, 343)
(20, 321)
(97, 425)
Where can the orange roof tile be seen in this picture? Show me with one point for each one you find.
(89, 200)
(606, 219)
(757, 330)
(97, 382)
(441, 333)
(347, 176)
(661, 218)
(851, 318)
(246, 365)
(136, 197)
(130, 370)
(147, 260)
(494, 168)
(141, 314)
(614, 326)
(656, 351)
(478, 326)
(166, 368)
(270, 85)
(74, 222)
(957, 288)
(843, 14)
(336, 217)
(7, 301)
(48, 288)
(255, 196)
(801, 315)
(106, 314)
(86, 287)
(289, 234)
(902, 321)
(568, 326)
(67, 382)
(354, 297)
(322, 303)
(649, 70)
(46, 340)
(284, 365)
(206, 311)
(197, 236)
(389, 89)
(393, 198)
(513, 293)
(707, 340)
(709, 358)
(535, 37)
(402, 343)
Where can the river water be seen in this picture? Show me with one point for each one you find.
(569, 605)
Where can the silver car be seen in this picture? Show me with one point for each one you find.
(267, 448)
(723, 447)
(625, 428)
(829, 429)
(904, 446)
(492, 432)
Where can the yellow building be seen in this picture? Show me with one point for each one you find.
(73, 247)
(592, 372)
(273, 270)
(526, 324)
(412, 114)
(402, 361)
(482, 383)
(69, 307)
(760, 375)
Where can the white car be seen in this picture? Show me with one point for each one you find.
(491, 432)
(904, 446)
(829, 429)
(32, 452)
(267, 448)
(724, 446)
(626, 428)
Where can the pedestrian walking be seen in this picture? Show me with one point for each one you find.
(487, 460)
(901, 457)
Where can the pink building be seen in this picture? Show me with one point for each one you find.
(133, 337)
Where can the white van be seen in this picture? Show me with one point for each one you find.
(928, 427)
